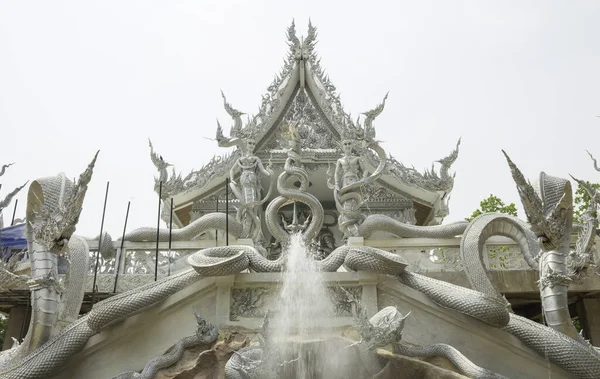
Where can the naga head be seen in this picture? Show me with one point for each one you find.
(548, 204)
(291, 135)
(53, 208)
(205, 331)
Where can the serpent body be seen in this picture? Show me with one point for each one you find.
(386, 327)
(486, 304)
(54, 305)
(244, 363)
(189, 232)
(228, 260)
(47, 359)
(205, 334)
(291, 195)
(462, 363)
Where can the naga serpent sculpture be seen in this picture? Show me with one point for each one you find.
(205, 334)
(53, 208)
(293, 168)
(385, 328)
(481, 302)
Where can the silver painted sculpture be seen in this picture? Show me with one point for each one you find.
(205, 334)
(481, 302)
(249, 362)
(592, 216)
(247, 189)
(53, 208)
(385, 328)
(351, 172)
(293, 168)
(549, 210)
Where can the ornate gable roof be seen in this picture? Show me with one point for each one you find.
(302, 91)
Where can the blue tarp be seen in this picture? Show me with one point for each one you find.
(13, 237)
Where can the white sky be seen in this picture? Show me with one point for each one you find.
(78, 76)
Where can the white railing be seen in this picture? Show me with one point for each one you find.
(137, 260)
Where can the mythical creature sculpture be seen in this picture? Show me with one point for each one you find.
(482, 302)
(4, 203)
(549, 210)
(351, 173)
(53, 208)
(248, 189)
(592, 213)
(293, 168)
(385, 328)
(248, 362)
(261, 361)
(205, 334)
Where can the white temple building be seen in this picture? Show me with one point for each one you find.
(382, 218)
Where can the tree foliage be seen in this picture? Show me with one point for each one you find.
(582, 201)
(3, 326)
(493, 204)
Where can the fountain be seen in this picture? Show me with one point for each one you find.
(356, 312)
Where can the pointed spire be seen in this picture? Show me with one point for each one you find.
(293, 40)
(311, 38)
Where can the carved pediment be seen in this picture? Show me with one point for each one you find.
(315, 132)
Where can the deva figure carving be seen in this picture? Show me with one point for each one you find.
(53, 208)
(351, 172)
(247, 189)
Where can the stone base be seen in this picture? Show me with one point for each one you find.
(335, 358)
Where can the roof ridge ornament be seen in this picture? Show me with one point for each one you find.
(238, 133)
(366, 131)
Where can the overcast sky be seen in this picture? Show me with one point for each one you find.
(81, 76)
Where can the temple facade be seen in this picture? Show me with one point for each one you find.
(408, 295)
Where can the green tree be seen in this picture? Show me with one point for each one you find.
(582, 201)
(493, 204)
(3, 325)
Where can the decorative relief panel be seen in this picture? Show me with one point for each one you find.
(254, 302)
(314, 131)
(105, 265)
(382, 200)
(143, 261)
(446, 258)
(441, 259)
(505, 258)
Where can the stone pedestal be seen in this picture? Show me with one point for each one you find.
(18, 320)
